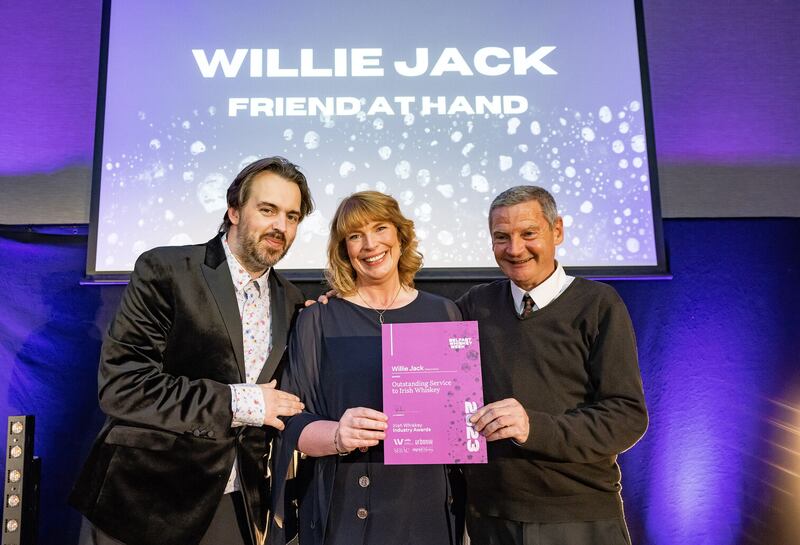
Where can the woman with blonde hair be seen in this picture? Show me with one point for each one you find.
(335, 368)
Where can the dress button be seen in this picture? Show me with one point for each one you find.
(363, 481)
(362, 513)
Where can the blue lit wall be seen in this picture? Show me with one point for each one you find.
(50, 335)
(718, 345)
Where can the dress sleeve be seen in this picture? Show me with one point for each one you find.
(302, 374)
(616, 417)
(463, 304)
(301, 377)
(453, 312)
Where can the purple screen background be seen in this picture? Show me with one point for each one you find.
(170, 149)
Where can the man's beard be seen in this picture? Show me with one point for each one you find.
(259, 257)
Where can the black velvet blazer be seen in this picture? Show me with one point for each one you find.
(159, 466)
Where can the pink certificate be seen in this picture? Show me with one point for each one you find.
(431, 386)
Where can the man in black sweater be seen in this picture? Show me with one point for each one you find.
(562, 386)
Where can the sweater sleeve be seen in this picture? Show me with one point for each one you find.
(614, 417)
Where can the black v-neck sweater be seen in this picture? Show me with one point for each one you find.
(573, 367)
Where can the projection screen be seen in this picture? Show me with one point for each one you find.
(441, 104)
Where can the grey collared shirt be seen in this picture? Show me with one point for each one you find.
(545, 293)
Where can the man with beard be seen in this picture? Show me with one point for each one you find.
(187, 378)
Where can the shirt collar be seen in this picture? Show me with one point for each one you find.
(544, 293)
(239, 274)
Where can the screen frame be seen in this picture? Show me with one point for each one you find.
(658, 271)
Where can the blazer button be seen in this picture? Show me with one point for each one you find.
(363, 481)
(210, 433)
(196, 433)
(362, 513)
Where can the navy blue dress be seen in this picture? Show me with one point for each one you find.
(335, 364)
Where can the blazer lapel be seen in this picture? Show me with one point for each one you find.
(218, 277)
(279, 326)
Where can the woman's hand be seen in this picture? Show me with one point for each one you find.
(360, 427)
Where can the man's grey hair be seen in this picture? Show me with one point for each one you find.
(526, 193)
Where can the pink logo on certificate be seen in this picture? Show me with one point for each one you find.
(431, 386)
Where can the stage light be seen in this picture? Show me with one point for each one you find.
(20, 510)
